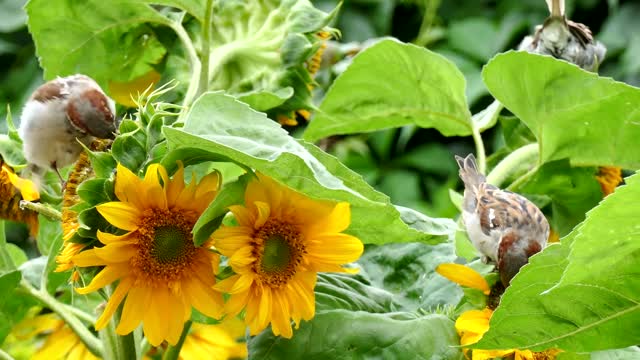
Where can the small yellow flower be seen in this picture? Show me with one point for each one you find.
(609, 177)
(473, 324)
(465, 276)
(161, 272)
(216, 342)
(61, 342)
(282, 240)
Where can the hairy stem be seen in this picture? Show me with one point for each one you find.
(206, 49)
(512, 162)
(90, 341)
(195, 64)
(45, 210)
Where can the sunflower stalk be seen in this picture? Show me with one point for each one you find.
(173, 352)
(206, 49)
(5, 356)
(512, 162)
(195, 63)
(91, 342)
(119, 346)
(42, 209)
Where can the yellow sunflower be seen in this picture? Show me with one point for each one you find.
(473, 324)
(282, 240)
(61, 342)
(160, 270)
(13, 189)
(215, 342)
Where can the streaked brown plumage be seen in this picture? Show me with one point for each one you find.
(505, 227)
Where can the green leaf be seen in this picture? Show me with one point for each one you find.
(408, 272)
(211, 218)
(581, 295)
(220, 127)
(108, 40)
(265, 100)
(392, 84)
(341, 291)
(11, 151)
(573, 192)
(93, 191)
(13, 305)
(17, 256)
(129, 151)
(49, 234)
(102, 163)
(341, 334)
(573, 113)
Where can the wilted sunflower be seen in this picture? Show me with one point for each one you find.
(160, 270)
(282, 240)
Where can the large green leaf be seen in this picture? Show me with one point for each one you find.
(408, 272)
(581, 295)
(108, 40)
(341, 334)
(220, 127)
(573, 113)
(13, 305)
(392, 84)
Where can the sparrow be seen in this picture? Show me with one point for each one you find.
(59, 116)
(565, 39)
(505, 227)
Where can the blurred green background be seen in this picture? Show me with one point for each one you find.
(415, 167)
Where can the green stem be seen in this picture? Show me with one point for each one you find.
(42, 209)
(91, 342)
(512, 162)
(480, 154)
(195, 64)
(173, 352)
(430, 10)
(118, 346)
(206, 49)
(80, 314)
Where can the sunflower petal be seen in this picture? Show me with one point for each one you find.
(129, 187)
(134, 307)
(155, 328)
(105, 277)
(108, 238)
(465, 276)
(204, 298)
(335, 248)
(116, 252)
(121, 215)
(113, 303)
(155, 196)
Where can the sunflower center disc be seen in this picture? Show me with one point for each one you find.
(277, 254)
(168, 244)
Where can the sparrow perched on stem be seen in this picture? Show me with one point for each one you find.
(60, 113)
(505, 227)
(565, 39)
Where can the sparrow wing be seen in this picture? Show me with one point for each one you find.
(501, 210)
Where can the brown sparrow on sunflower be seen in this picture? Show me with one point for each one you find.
(505, 227)
(60, 115)
(565, 39)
